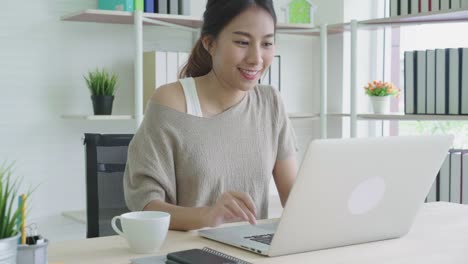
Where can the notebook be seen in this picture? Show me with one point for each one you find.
(205, 255)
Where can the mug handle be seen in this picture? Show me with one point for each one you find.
(114, 226)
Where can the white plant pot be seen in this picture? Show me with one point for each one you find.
(380, 104)
(8, 249)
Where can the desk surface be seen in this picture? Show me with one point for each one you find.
(439, 235)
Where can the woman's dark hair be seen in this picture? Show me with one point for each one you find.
(217, 15)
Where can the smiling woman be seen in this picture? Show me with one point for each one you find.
(211, 142)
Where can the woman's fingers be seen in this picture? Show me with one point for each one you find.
(247, 201)
(236, 210)
(247, 211)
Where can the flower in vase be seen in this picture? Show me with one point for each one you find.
(380, 88)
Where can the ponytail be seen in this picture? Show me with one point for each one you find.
(199, 62)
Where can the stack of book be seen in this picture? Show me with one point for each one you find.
(174, 7)
(436, 81)
(411, 7)
(159, 68)
(272, 76)
(451, 184)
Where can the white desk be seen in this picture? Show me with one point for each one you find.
(439, 235)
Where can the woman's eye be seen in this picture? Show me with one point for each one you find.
(268, 44)
(242, 42)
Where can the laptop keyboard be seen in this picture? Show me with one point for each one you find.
(264, 239)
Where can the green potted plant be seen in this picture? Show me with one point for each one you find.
(380, 92)
(9, 217)
(102, 86)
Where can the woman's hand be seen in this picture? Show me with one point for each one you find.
(232, 207)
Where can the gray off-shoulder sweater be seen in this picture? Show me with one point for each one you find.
(190, 161)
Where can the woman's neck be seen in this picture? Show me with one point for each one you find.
(215, 95)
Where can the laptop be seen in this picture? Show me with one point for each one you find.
(347, 191)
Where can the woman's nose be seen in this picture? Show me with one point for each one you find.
(254, 56)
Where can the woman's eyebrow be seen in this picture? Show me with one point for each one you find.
(246, 34)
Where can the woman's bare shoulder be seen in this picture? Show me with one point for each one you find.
(170, 95)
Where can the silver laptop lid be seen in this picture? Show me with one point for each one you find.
(351, 191)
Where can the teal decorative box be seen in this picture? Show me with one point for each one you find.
(121, 5)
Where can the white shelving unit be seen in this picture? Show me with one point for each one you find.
(129, 117)
(405, 117)
(98, 117)
(189, 23)
(354, 26)
(193, 24)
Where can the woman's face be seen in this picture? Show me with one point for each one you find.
(244, 49)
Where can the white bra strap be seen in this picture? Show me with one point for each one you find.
(191, 97)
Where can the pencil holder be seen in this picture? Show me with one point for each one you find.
(32, 254)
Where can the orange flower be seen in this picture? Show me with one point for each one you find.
(381, 88)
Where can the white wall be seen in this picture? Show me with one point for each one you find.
(42, 61)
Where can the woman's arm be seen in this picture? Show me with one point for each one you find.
(230, 206)
(182, 218)
(284, 174)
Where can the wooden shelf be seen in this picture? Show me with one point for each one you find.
(446, 16)
(338, 115)
(403, 117)
(98, 117)
(303, 115)
(129, 117)
(315, 115)
(452, 15)
(124, 17)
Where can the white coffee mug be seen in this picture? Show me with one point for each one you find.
(144, 231)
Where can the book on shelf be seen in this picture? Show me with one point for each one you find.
(172, 67)
(441, 100)
(436, 81)
(464, 187)
(159, 68)
(463, 79)
(464, 4)
(435, 5)
(455, 4)
(182, 59)
(409, 82)
(154, 73)
(275, 73)
(455, 176)
(162, 7)
(414, 7)
(430, 82)
(404, 7)
(432, 194)
(444, 180)
(184, 7)
(420, 81)
(394, 8)
(452, 81)
(445, 5)
(272, 76)
(149, 6)
(139, 5)
(424, 6)
(173, 7)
